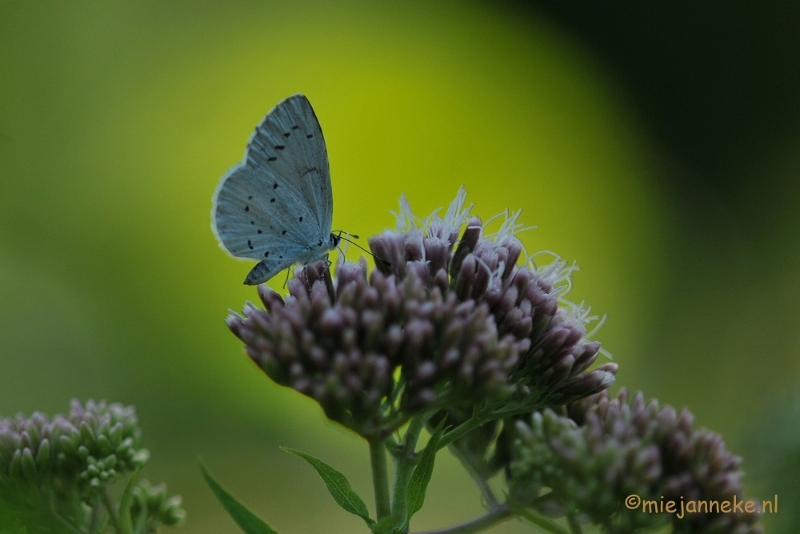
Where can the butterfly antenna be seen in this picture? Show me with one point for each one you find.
(377, 258)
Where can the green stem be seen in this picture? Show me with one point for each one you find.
(574, 526)
(113, 515)
(540, 521)
(53, 512)
(380, 477)
(479, 524)
(480, 419)
(94, 526)
(66, 524)
(395, 423)
(404, 468)
(483, 486)
(470, 424)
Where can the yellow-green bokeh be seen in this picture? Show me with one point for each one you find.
(116, 122)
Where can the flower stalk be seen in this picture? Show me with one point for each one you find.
(490, 519)
(380, 477)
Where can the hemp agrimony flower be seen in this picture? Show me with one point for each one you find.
(458, 331)
(56, 475)
(602, 451)
(442, 324)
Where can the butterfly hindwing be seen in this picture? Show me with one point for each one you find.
(247, 224)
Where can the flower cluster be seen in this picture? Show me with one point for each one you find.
(458, 330)
(443, 322)
(151, 501)
(66, 463)
(603, 450)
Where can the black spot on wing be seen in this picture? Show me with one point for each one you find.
(260, 232)
(301, 219)
(249, 244)
(279, 147)
(283, 232)
(309, 136)
(275, 185)
(247, 208)
(271, 200)
(271, 158)
(295, 127)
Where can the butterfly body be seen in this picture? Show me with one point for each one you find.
(276, 206)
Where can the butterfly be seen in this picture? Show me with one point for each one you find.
(276, 206)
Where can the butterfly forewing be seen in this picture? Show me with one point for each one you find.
(276, 206)
(289, 141)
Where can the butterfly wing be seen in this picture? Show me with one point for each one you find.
(289, 141)
(276, 206)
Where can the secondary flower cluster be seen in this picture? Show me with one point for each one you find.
(604, 450)
(70, 460)
(442, 322)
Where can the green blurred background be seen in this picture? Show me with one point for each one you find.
(659, 146)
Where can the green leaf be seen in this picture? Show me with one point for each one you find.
(243, 517)
(422, 472)
(338, 486)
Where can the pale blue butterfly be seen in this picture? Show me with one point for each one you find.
(276, 206)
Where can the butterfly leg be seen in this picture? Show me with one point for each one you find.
(305, 276)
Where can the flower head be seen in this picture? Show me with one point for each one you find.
(447, 320)
(66, 462)
(93, 445)
(605, 450)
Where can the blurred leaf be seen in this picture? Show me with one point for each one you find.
(243, 517)
(21, 513)
(9, 524)
(338, 486)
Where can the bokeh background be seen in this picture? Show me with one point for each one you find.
(658, 144)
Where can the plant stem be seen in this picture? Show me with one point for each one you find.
(380, 477)
(540, 521)
(574, 526)
(486, 491)
(404, 467)
(479, 524)
(470, 424)
(480, 419)
(66, 524)
(95, 518)
(112, 513)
